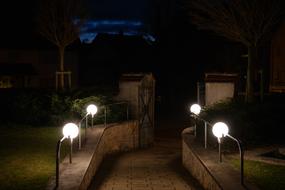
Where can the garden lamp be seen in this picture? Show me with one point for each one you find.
(70, 130)
(221, 130)
(195, 109)
(91, 110)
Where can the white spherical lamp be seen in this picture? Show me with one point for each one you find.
(92, 109)
(70, 130)
(220, 130)
(195, 108)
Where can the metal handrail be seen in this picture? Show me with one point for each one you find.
(206, 123)
(116, 103)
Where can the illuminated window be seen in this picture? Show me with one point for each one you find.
(6, 82)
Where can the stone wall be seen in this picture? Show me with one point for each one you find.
(115, 138)
(204, 165)
(194, 164)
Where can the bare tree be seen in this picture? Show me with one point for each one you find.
(250, 22)
(60, 22)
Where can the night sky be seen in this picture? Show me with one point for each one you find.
(123, 9)
(178, 58)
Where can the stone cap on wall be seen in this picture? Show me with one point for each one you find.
(135, 76)
(221, 77)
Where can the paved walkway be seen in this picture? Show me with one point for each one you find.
(156, 168)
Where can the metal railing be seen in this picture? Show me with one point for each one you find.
(104, 107)
(113, 104)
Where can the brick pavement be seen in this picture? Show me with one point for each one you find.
(156, 168)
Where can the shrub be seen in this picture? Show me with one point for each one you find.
(114, 112)
(60, 105)
(79, 105)
(53, 108)
(253, 123)
(28, 107)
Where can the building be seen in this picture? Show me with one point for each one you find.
(277, 71)
(33, 68)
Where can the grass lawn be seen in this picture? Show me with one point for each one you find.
(27, 156)
(265, 176)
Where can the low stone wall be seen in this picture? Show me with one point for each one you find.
(194, 164)
(204, 165)
(115, 138)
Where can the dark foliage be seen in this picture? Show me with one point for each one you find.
(40, 108)
(254, 124)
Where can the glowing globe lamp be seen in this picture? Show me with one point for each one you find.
(195, 108)
(220, 130)
(92, 109)
(70, 130)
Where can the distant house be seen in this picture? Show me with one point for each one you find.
(33, 68)
(277, 72)
(33, 62)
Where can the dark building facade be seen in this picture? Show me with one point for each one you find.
(277, 72)
(34, 68)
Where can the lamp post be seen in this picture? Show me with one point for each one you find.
(221, 130)
(79, 125)
(92, 109)
(195, 109)
(70, 130)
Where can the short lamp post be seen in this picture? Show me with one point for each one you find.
(79, 136)
(91, 109)
(195, 109)
(221, 130)
(70, 130)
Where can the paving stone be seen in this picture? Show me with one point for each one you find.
(156, 168)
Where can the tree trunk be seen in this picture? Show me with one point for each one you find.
(252, 58)
(61, 67)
